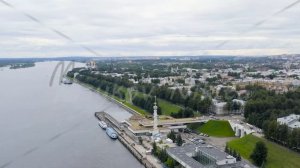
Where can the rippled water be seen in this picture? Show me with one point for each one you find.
(54, 127)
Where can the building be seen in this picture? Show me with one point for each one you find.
(241, 108)
(203, 156)
(219, 107)
(141, 126)
(91, 65)
(292, 121)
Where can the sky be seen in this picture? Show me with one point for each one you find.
(51, 28)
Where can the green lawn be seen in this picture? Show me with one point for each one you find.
(137, 109)
(167, 107)
(278, 156)
(216, 128)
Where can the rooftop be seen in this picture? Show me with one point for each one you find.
(184, 155)
(149, 123)
(292, 120)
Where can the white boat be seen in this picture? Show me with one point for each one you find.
(102, 124)
(67, 81)
(111, 133)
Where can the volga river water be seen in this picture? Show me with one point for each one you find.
(44, 126)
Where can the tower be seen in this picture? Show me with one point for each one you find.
(155, 120)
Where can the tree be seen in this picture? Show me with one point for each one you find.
(234, 154)
(260, 153)
(292, 139)
(155, 81)
(238, 157)
(283, 132)
(272, 131)
(179, 140)
(227, 150)
(170, 163)
(172, 136)
(163, 156)
(154, 149)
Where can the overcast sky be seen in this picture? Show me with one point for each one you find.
(149, 27)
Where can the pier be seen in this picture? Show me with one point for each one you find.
(127, 140)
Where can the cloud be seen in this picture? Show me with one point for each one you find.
(148, 27)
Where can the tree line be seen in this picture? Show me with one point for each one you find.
(101, 83)
(195, 100)
(192, 102)
(121, 81)
(183, 113)
(146, 102)
(282, 134)
(263, 105)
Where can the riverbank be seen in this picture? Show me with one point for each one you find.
(110, 98)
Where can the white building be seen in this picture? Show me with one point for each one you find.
(219, 107)
(292, 121)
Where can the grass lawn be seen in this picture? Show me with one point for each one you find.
(167, 107)
(216, 128)
(137, 109)
(278, 156)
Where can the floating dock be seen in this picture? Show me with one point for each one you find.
(124, 138)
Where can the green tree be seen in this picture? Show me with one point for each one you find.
(172, 136)
(283, 132)
(154, 149)
(234, 154)
(238, 157)
(170, 163)
(163, 156)
(272, 131)
(227, 149)
(292, 139)
(179, 140)
(260, 153)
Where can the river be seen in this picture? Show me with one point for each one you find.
(43, 126)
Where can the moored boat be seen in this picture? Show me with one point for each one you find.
(102, 124)
(111, 133)
(67, 81)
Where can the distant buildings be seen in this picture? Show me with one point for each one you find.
(292, 121)
(202, 156)
(91, 65)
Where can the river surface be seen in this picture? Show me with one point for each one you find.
(44, 126)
